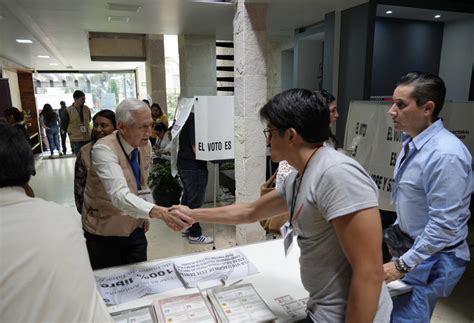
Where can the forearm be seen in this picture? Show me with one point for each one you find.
(230, 214)
(364, 296)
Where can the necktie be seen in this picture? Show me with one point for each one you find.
(136, 167)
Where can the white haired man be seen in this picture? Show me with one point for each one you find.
(115, 216)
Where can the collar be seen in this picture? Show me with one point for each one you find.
(11, 194)
(423, 137)
(126, 146)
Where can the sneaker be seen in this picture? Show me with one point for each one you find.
(60, 153)
(185, 233)
(202, 239)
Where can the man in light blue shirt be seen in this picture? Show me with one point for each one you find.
(432, 193)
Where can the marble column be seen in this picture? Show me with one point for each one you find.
(250, 75)
(155, 70)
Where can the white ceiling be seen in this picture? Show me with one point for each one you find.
(59, 28)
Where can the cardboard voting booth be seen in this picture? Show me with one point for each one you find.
(372, 140)
(214, 119)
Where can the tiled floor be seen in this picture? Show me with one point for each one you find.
(54, 182)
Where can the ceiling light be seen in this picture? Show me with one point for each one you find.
(24, 41)
(437, 16)
(118, 19)
(53, 64)
(123, 7)
(388, 12)
(43, 56)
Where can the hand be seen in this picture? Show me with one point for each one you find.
(180, 210)
(146, 226)
(391, 273)
(175, 222)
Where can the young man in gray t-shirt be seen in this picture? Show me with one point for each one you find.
(332, 204)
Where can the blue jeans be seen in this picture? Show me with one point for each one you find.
(194, 191)
(53, 138)
(77, 145)
(434, 278)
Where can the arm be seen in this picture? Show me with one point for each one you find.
(448, 188)
(80, 177)
(360, 236)
(65, 120)
(266, 206)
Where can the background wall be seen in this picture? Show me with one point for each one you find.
(457, 59)
(401, 46)
(14, 89)
(309, 55)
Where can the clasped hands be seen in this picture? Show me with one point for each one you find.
(177, 217)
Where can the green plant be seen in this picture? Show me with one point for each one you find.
(161, 179)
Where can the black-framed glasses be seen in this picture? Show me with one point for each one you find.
(268, 133)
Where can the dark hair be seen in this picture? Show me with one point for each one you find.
(156, 105)
(300, 109)
(62, 103)
(160, 126)
(106, 113)
(327, 98)
(426, 87)
(49, 116)
(13, 114)
(78, 94)
(16, 157)
(146, 101)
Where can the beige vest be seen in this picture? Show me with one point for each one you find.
(74, 127)
(99, 216)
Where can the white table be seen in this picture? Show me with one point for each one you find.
(278, 276)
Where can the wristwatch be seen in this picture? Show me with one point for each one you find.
(401, 266)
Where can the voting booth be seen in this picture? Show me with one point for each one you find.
(371, 139)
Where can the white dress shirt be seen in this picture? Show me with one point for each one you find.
(107, 167)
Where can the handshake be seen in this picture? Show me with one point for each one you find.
(177, 217)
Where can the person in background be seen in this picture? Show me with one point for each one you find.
(431, 191)
(50, 122)
(103, 125)
(162, 140)
(158, 117)
(332, 204)
(194, 176)
(147, 102)
(15, 118)
(44, 261)
(116, 206)
(76, 122)
(330, 101)
(63, 131)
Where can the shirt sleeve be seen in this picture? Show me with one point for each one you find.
(110, 172)
(448, 187)
(344, 189)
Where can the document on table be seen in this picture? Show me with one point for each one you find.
(184, 309)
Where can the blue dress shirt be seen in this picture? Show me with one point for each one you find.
(432, 193)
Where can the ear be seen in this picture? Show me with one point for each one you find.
(428, 108)
(121, 127)
(291, 134)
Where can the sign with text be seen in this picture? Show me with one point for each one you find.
(372, 140)
(214, 120)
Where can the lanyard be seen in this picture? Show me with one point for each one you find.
(81, 114)
(125, 153)
(296, 192)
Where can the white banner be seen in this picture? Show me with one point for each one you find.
(214, 119)
(372, 140)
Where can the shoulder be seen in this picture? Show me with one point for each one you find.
(445, 143)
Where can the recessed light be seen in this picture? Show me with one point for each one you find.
(437, 16)
(388, 12)
(124, 7)
(53, 64)
(24, 41)
(43, 56)
(118, 19)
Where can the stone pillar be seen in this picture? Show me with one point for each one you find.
(250, 77)
(197, 76)
(197, 65)
(155, 70)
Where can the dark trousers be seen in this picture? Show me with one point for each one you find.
(194, 191)
(115, 251)
(63, 141)
(77, 145)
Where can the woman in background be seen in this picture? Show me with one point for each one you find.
(330, 101)
(103, 124)
(50, 122)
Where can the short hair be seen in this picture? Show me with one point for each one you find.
(426, 87)
(300, 109)
(62, 103)
(146, 101)
(13, 113)
(160, 126)
(124, 110)
(78, 94)
(16, 157)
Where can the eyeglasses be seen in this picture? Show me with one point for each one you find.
(268, 133)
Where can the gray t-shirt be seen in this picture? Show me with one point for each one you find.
(333, 185)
